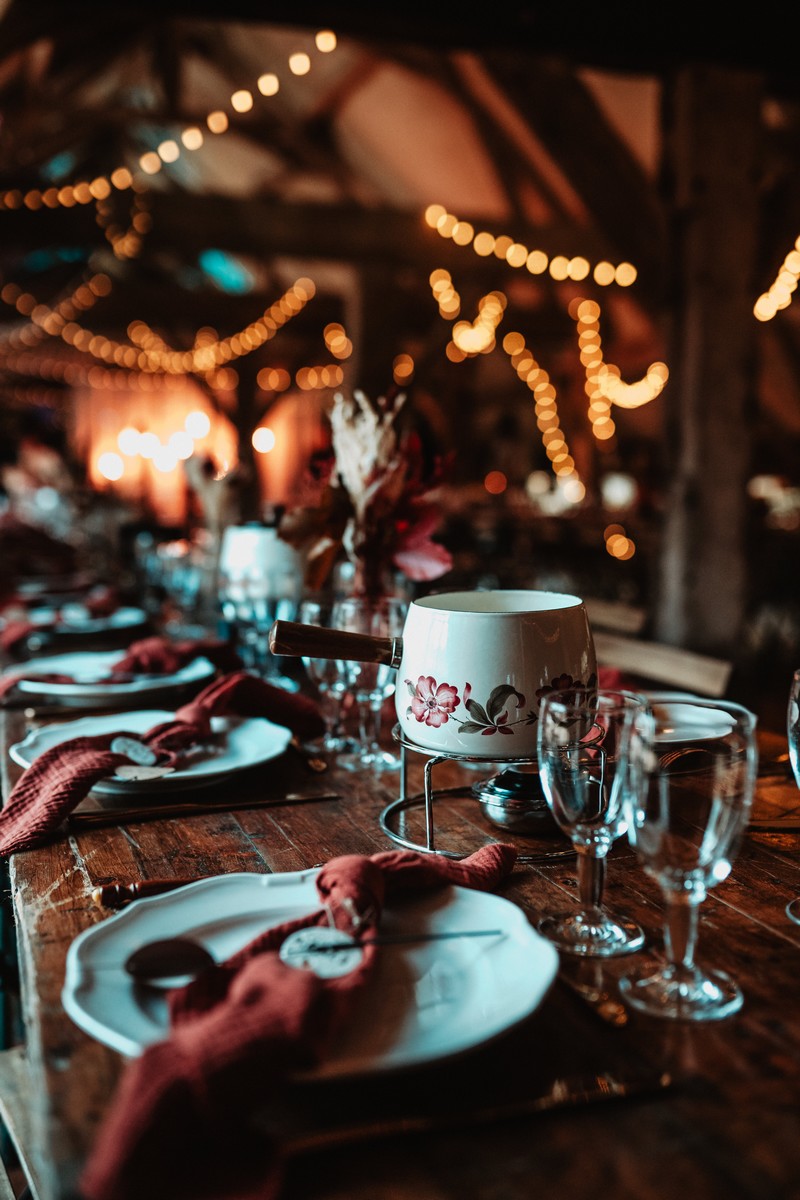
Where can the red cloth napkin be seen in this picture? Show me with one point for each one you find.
(51, 787)
(180, 1125)
(613, 679)
(9, 682)
(14, 632)
(161, 656)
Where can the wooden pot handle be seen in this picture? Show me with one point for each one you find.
(315, 641)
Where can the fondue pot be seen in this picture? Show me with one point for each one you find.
(472, 665)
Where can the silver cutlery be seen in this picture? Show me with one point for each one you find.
(395, 939)
(186, 808)
(545, 856)
(612, 1011)
(565, 1093)
(169, 962)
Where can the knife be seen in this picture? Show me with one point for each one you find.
(567, 1092)
(185, 808)
(612, 1011)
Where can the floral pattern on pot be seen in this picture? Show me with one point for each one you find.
(433, 704)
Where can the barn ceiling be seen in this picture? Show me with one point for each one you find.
(546, 131)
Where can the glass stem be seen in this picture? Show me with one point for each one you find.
(591, 879)
(330, 709)
(680, 929)
(364, 723)
(375, 734)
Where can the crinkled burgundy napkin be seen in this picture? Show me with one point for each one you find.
(9, 682)
(15, 632)
(51, 787)
(162, 656)
(181, 1125)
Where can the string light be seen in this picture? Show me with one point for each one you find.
(403, 369)
(151, 161)
(517, 255)
(539, 383)
(148, 357)
(618, 544)
(782, 288)
(604, 385)
(337, 341)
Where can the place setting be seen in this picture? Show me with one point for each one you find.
(148, 668)
(76, 620)
(95, 679)
(435, 991)
(412, 981)
(235, 723)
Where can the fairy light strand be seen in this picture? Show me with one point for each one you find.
(191, 139)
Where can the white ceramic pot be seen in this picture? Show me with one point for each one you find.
(472, 666)
(257, 562)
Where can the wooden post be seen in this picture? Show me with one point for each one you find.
(712, 144)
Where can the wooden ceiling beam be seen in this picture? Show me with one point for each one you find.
(268, 227)
(624, 205)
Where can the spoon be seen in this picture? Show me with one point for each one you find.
(168, 962)
(174, 962)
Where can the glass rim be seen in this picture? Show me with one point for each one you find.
(620, 698)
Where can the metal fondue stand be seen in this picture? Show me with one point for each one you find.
(512, 800)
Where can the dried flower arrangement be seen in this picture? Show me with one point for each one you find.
(377, 504)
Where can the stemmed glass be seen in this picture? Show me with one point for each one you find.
(328, 680)
(582, 746)
(793, 735)
(251, 603)
(370, 684)
(693, 773)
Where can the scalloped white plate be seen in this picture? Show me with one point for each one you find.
(425, 1001)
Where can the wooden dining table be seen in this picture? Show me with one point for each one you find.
(581, 1099)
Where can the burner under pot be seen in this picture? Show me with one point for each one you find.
(514, 801)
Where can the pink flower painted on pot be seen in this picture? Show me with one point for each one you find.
(432, 704)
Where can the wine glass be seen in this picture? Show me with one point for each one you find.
(250, 604)
(259, 582)
(693, 771)
(793, 735)
(582, 745)
(327, 678)
(370, 684)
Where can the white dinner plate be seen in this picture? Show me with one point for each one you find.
(89, 683)
(74, 619)
(425, 1001)
(695, 721)
(237, 744)
(55, 585)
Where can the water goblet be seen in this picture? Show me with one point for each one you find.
(251, 603)
(692, 779)
(327, 679)
(371, 684)
(793, 736)
(582, 746)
